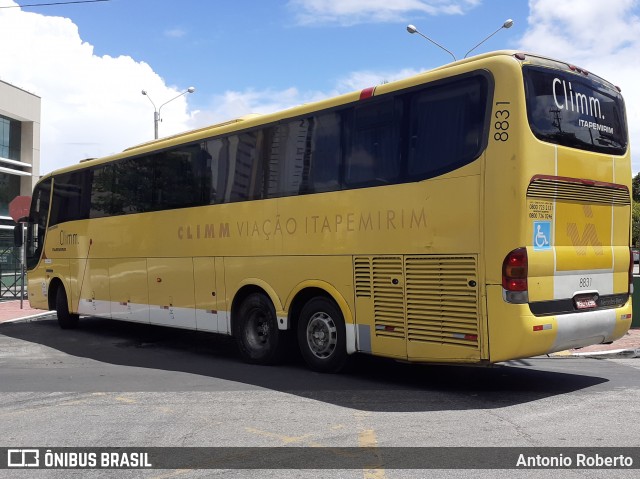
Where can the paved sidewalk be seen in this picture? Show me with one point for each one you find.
(10, 311)
(628, 346)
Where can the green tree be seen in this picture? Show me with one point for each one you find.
(635, 223)
(635, 188)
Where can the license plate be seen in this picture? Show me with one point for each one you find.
(586, 302)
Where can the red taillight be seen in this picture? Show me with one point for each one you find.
(515, 269)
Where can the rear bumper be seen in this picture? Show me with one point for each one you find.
(514, 332)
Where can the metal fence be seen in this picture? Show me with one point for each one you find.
(10, 273)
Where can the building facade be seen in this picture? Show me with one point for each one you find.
(19, 171)
(19, 153)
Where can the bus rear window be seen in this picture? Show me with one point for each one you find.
(575, 111)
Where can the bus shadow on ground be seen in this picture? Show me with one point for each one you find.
(368, 383)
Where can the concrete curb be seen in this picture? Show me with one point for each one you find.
(29, 318)
(611, 354)
(614, 353)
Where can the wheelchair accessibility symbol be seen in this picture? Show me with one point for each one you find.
(541, 235)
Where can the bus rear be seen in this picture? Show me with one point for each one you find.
(558, 209)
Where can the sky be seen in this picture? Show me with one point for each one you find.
(89, 62)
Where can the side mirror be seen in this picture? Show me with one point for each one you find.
(18, 236)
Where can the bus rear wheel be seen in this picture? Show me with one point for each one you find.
(66, 320)
(259, 339)
(322, 335)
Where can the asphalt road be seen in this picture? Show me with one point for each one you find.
(112, 384)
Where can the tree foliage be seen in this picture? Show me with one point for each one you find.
(635, 188)
(635, 224)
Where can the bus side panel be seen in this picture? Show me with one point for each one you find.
(128, 286)
(209, 315)
(38, 289)
(91, 290)
(171, 292)
(511, 327)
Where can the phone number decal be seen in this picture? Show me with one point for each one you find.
(540, 210)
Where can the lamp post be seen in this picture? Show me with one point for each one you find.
(412, 29)
(507, 24)
(156, 111)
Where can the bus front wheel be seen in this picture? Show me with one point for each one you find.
(66, 320)
(259, 339)
(322, 336)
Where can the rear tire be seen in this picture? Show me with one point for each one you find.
(66, 320)
(322, 335)
(259, 339)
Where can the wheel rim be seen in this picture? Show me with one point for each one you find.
(257, 332)
(322, 335)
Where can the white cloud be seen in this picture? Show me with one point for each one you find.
(91, 105)
(175, 32)
(601, 37)
(233, 104)
(367, 78)
(349, 12)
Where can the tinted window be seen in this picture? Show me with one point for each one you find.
(178, 178)
(389, 139)
(574, 110)
(373, 156)
(447, 126)
(216, 165)
(132, 186)
(322, 173)
(37, 222)
(102, 191)
(246, 158)
(289, 157)
(71, 195)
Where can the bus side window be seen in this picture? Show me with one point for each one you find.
(373, 155)
(37, 222)
(132, 182)
(177, 177)
(322, 167)
(246, 167)
(447, 124)
(71, 197)
(216, 159)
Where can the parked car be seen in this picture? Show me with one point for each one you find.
(636, 255)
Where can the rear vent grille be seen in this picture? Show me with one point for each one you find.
(362, 271)
(430, 299)
(442, 300)
(388, 296)
(574, 190)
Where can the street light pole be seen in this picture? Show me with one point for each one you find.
(507, 24)
(156, 111)
(412, 29)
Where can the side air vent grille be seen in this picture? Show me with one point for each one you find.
(442, 300)
(428, 299)
(388, 296)
(576, 190)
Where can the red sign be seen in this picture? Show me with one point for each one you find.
(19, 208)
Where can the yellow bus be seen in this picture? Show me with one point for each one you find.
(475, 213)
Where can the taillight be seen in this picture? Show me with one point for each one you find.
(515, 269)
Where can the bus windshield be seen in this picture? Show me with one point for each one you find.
(575, 111)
